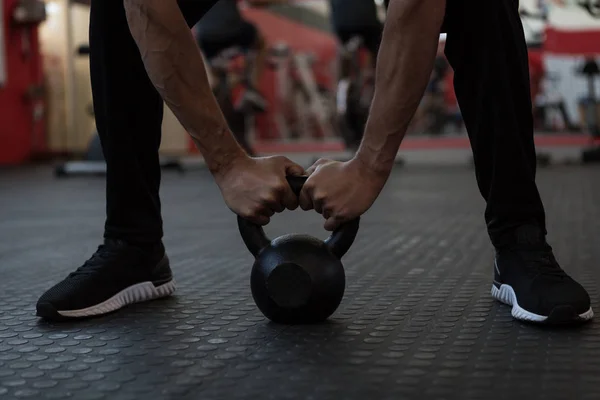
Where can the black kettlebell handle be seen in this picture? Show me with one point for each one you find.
(339, 242)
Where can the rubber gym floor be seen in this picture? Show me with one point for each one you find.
(417, 320)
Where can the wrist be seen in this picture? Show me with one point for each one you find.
(223, 152)
(373, 163)
(220, 163)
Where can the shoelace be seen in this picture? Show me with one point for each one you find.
(98, 259)
(542, 263)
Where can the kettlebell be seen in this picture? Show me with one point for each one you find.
(297, 278)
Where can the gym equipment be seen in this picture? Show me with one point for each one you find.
(591, 71)
(358, 98)
(241, 120)
(306, 108)
(93, 162)
(297, 279)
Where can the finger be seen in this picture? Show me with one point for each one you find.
(285, 194)
(277, 207)
(289, 198)
(293, 169)
(318, 203)
(316, 165)
(261, 220)
(270, 206)
(333, 223)
(327, 212)
(257, 218)
(322, 161)
(305, 198)
(311, 169)
(275, 199)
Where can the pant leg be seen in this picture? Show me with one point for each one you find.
(486, 47)
(372, 36)
(129, 114)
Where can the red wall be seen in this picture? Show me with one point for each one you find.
(17, 130)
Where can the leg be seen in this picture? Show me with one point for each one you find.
(131, 265)
(129, 114)
(128, 117)
(486, 47)
(372, 38)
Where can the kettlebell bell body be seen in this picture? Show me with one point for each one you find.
(297, 279)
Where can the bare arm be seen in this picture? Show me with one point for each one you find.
(404, 64)
(175, 67)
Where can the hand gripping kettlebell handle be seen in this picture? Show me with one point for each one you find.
(339, 242)
(296, 183)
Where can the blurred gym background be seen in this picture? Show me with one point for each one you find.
(46, 113)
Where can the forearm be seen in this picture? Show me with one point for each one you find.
(175, 67)
(404, 64)
(265, 3)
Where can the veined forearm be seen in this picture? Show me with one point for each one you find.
(404, 64)
(175, 67)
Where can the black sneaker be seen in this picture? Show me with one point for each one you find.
(116, 275)
(528, 278)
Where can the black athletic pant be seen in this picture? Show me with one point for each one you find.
(485, 46)
(129, 114)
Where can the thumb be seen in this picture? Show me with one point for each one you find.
(332, 223)
(293, 169)
(311, 169)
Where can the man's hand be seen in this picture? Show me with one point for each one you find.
(340, 191)
(257, 188)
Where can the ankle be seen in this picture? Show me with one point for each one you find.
(522, 236)
(149, 246)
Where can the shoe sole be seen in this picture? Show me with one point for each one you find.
(137, 293)
(559, 315)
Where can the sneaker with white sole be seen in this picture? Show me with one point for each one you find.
(528, 278)
(116, 275)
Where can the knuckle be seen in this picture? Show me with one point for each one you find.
(268, 198)
(340, 217)
(292, 201)
(249, 214)
(339, 213)
(319, 196)
(258, 209)
(305, 205)
(280, 187)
